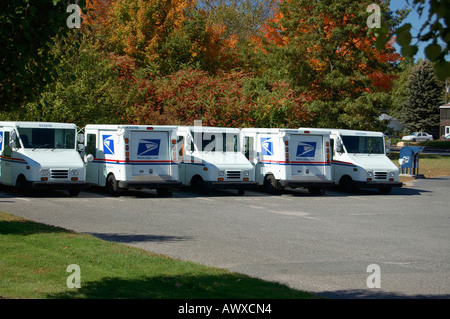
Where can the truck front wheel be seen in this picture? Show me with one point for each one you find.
(271, 184)
(21, 184)
(112, 186)
(346, 184)
(385, 190)
(74, 192)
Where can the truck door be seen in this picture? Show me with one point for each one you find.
(249, 148)
(307, 155)
(150, 153)
(92, 168)
(6, 166)
(181, 152)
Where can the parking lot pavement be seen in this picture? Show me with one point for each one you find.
(324, 244)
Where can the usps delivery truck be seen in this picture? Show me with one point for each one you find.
(360, 161)
(210, 157)
(289, 158)
(36, 155)
(120, 157)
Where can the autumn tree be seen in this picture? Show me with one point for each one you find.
(242, 18)
(325, 48)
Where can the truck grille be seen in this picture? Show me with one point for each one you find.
(380, 175)
(233, 174)
(60, 173)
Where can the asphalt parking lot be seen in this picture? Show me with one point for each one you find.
(323, 244)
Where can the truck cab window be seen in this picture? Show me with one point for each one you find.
(91, 144)
(180, 143)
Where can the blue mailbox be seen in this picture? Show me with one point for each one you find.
(409, 159)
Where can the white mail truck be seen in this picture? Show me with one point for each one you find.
(37, 155)
(360, 161)
(120, 157)
(210, 157)
(289, 158)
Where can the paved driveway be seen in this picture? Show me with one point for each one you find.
(322, 244)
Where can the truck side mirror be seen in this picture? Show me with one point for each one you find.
(89, 158)
(12, 139)
(339, 147)
(80, 138)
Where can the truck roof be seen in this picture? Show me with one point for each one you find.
(208, 128)
(38, 124)
(355, 132)
(129, 127)
(304, 130)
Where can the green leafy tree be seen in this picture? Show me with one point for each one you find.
(26, 26)
(88, 86)
(425, 94)
(399, 93)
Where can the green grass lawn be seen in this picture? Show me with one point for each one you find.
(34, 259)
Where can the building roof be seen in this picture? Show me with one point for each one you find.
(445, 106)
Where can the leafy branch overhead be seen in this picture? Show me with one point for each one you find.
(435, 32)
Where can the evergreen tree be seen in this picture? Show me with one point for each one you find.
(421, 110)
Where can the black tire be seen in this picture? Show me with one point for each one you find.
(112, 186)
(198, 185)
(385, 190)
(346, 184)
(74, 192)
(21, 185)
(164, 192)
(271, 185)
(315, 191)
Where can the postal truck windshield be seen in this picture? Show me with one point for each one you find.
(363, 144)
(53, 138)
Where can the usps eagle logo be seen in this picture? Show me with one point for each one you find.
(306, 149)
(266, 146)
(108, 144)
(148, 147)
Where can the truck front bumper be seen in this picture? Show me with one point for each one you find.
(58, 185)
(149, 184)
(233, 185)
(377, 184)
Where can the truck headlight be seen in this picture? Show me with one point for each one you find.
(369, 174)
(391, 174)
(74, 172)
(245, 173)
(44, 172)
(220, 173)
